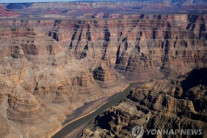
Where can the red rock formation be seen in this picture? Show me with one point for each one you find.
(61, 61)
(104, 76)
(86, 83)
(7, 13)
(25, 108)
(106, 9)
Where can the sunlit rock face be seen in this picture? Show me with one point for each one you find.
(62, 64)
(23, 107)
(116, 9)
(105, 77)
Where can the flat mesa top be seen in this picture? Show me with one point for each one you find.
(98, 10)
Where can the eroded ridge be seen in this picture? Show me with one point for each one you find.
(157, 104)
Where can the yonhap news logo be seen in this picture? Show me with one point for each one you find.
(138, 132)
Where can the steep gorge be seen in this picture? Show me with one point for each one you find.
(53, 67)
(163, 105)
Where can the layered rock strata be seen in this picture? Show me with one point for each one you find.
(66, 63)
(157, 104)
(101, 9)
(104, 76)
(87, 83)
(24, 108)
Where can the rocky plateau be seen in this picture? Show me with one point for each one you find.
(51, 66)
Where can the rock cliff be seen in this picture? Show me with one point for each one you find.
(106, 9)
(156, 104)
(56, 65)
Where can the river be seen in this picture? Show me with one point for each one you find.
(77, 123)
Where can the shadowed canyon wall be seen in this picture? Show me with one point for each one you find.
(52, 67)
(157, 105)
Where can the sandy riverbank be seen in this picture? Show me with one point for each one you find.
(84, 111)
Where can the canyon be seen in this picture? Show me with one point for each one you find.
(51, 65)
(157, 104)
(93, 9)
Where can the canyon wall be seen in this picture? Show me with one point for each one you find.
(157, 105)
(52, 67)
(101, 9)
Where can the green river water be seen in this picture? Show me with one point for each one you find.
(114, 101)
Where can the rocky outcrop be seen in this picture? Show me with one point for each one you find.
(86, 83)
(59, 98)
(24, 107)
(102, 9)
(5, 13)
(156, 104)
(105, 77)
(67, 63)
